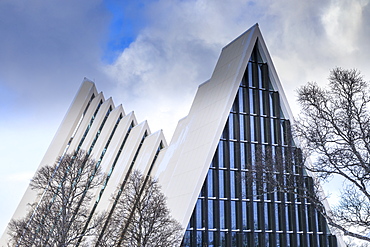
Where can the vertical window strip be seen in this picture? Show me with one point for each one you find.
(91, 147)
(121, 188)
(147, 177)
(78, 125)
(105, 182)
(97, 135)
(89, 126)
(99, 130)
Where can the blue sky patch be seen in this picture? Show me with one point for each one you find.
(128, 18)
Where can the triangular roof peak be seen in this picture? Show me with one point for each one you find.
(234, 58)
(196, 137)
(247, 32)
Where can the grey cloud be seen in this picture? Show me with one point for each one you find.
(162, 69)
(178, 49)
(48, 46)
(308, 39)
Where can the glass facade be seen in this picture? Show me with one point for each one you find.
(239, 204)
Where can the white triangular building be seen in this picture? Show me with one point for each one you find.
(203, 172)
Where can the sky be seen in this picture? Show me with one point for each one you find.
(150, 56)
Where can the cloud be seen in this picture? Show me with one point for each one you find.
(308, 39)
(179, 45)
(178, 49)
(47, 47)
(343, 19)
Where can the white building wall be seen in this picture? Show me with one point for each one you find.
(110, 156)
(116, 141)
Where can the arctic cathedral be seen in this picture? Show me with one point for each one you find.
(209, 171)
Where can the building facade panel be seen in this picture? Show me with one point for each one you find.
(110, 163)
(93, 133)
(147, 156)
(87, 120)
(129, 153)
(106, 133)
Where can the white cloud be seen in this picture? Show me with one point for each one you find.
(343, 22)
(160, 72)
(157, 76)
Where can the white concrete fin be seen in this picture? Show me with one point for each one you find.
(93, 134)
(87, 119)
(106, 132)
(148, 151)
(110, 158)
(125, 160)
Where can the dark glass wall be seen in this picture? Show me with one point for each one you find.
(240, 203)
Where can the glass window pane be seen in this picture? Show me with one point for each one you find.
(231, 126)
(211, 214)
(244, 215)
(199, 217)
(222, 214)
(243, 159)
(221, 183)
(241, 99)
(233, 215)
(210, 183)
(221, 154)
(252, 129)
(242, 127)
(231, 154)
(232, 184)
(211, 239)
(251, 101)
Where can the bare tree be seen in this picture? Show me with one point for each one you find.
(57, 218)
(334, 127)
(141, 217)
